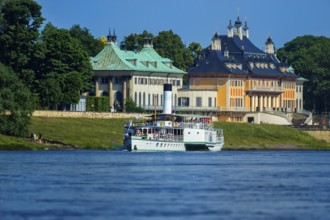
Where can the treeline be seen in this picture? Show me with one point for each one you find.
(310, 57)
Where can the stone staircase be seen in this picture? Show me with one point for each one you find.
(299, 119)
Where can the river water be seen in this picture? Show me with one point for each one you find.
(187, 185)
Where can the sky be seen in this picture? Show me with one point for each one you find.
(193, 20)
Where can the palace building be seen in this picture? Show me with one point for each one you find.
(231, 79)
(234, 80)
(140, 75)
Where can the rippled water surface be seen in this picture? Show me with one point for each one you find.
(125, 185)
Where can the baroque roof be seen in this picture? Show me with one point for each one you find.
(239, 56)
(112, 58)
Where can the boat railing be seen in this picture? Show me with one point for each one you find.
(193, 125)
(197, 125)
(161, 137)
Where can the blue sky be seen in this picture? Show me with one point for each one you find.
(193, 20)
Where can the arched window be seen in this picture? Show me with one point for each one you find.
(104, 93)
(118, 100)
(149, 100)
(144, 99)
(174, 101)
(140, 99)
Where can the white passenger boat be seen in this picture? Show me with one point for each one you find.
(173, 132)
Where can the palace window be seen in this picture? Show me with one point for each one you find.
(118, 80)
(183, 101)
(199, 101)
(104, 80)
(210, 102)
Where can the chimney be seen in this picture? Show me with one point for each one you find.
(147, 42)
(167, 107)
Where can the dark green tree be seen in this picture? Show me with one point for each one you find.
(170, 45)
(132, 107)
(50, 91)
(71, 87)
(310, 57)
(65, 60)
(19, 26)
(92, 45)
(194, 48)
(16, 104)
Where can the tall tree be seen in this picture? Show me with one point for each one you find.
(65, 61)
(170, 45)
(19, 26)
(16, 105)
(92, 45)
(310, 57)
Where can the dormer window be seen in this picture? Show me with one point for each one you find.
(132, 61)
(146, 63)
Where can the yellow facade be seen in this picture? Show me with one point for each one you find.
(222, 93)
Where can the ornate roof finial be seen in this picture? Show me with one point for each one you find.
(109, 37)
(269, 40)
(230, 25)
(245, 26)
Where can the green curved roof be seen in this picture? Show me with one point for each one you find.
(147, 60)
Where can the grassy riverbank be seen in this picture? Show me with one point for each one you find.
(266, 136)
(85, 133)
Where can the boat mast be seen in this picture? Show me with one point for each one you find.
(155, 101)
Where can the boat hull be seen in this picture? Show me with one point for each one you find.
(162, 145)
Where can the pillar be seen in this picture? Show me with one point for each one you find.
(261, 103)
(111, 99)
(253, 107)
(97, 87)
(124, 93)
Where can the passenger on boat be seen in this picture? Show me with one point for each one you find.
(156, 135)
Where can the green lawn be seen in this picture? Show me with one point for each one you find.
(13, 143)
(82, 132)
(267, 136)
(108, 134)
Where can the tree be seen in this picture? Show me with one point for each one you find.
(92, 46)
(19, 26)
(170, 45)
(50, 91)
(194, 48)
(16, 105)
(310, 57)
(66, 62)
(132, 107)
(71, 87)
